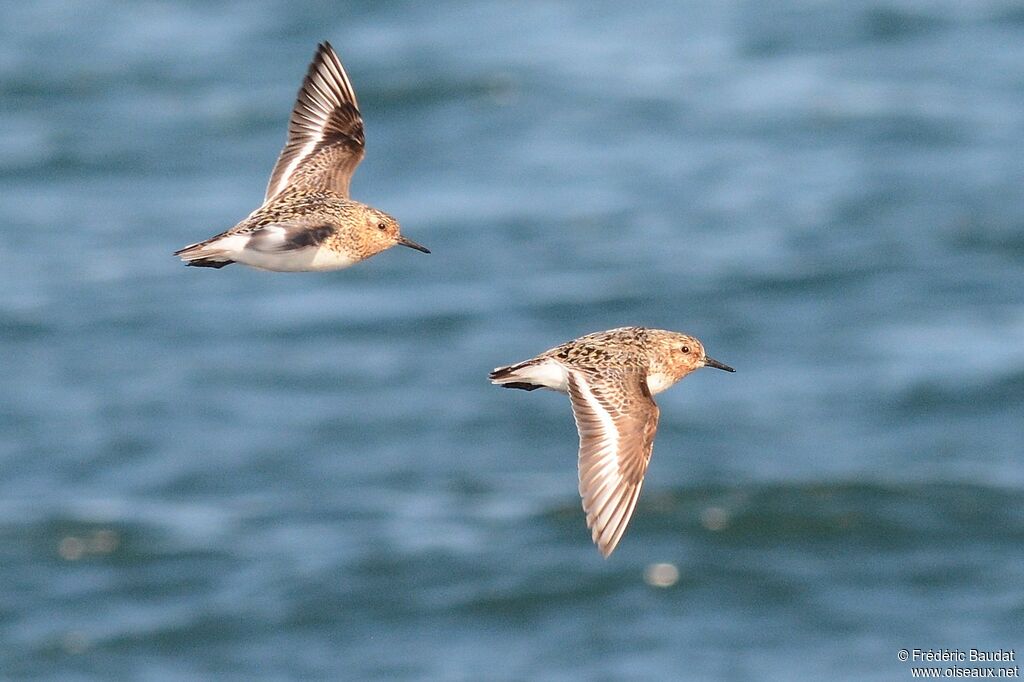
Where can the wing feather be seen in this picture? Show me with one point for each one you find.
(325, 133)
(616, 418)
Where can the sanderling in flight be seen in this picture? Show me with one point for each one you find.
(611, 378)
(307, 220)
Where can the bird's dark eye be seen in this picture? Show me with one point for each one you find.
(686, 349)
(381, 226)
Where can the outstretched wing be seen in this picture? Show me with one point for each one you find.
(325, 133)
(617, 419)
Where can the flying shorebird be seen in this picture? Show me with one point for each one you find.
(611, 378)
(307, 220)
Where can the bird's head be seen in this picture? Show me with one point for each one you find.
(383, 232)
(679, 354)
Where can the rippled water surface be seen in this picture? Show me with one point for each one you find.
(243, 475)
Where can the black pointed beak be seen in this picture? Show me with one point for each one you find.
(711, 362)
(412, 245)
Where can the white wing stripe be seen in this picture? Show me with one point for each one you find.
(607, 426)
(301, 156)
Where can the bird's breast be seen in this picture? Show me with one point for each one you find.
(658, 382)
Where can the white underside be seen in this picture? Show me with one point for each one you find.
(312, 258)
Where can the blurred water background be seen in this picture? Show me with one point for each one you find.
(243, 475)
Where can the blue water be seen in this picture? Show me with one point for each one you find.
(243, 475)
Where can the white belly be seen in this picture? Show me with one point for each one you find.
(286, 260)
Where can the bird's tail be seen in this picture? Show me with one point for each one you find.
(510, 377)
(204, 255)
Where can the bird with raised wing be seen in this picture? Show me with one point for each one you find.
(611, 378)
(307, 220)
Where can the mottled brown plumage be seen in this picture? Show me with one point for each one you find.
(611, 378)
(307, 220)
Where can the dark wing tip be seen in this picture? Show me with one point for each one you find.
(324, 50)
(326, 70)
